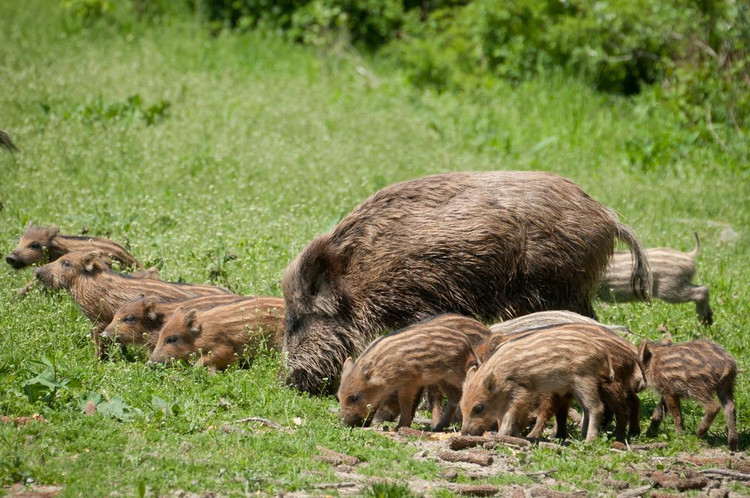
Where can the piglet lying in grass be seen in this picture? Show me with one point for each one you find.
(222, 335)
(140, 320)
(99, 291)
(694, 369)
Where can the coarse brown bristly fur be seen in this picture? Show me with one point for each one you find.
(45, 244)
(140, 320)
(695, 369)
(672, 272)
(487, 245)
(432, 352)
(223, 334)
(99, 291)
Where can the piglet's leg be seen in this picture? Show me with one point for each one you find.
(406, 402)
(587, 393)
(634, 411)
(726, 396)
(516, 414)
(711, 406)
(673, 405)
(657, 417)
(547, 408)
(453, 395)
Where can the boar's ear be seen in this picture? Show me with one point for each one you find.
(644, 353)
(53, 231)
(490, 383)
(191, 322)
(92, 261)
(319, 272)
(348, 365)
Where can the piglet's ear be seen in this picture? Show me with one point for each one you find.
(470, 373)
(191, 322)
(92, 261)
(347, 368)
(53, 231)
(490, 383)
(30, 224)
(494, 342)
(644, 353)
(149, 307)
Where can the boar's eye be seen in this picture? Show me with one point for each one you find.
(478, 409)
(36, 245)
(66, 263)
(172, 339)
(353, 398)
(128, 319)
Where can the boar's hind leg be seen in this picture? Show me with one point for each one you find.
(406, 397)
(726, 396)
(711, 406)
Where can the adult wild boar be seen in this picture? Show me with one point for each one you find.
(488, 245)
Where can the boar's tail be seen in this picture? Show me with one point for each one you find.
(697, 249)
(640, 277)
(6, 142)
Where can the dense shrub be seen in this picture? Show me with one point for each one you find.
(691, 54)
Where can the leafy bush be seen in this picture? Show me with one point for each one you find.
(695, 49)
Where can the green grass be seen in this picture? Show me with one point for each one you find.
(263, 146)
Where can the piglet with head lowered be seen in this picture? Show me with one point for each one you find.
(562, 360)
(222, 335)
(482, 244)
(432, 352)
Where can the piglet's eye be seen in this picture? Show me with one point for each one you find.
(172, 339)
(36, 245)
(66, 264)
(128, 319)
(478, 409)
(353, 398)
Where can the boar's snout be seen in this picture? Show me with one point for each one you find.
(13, 261)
